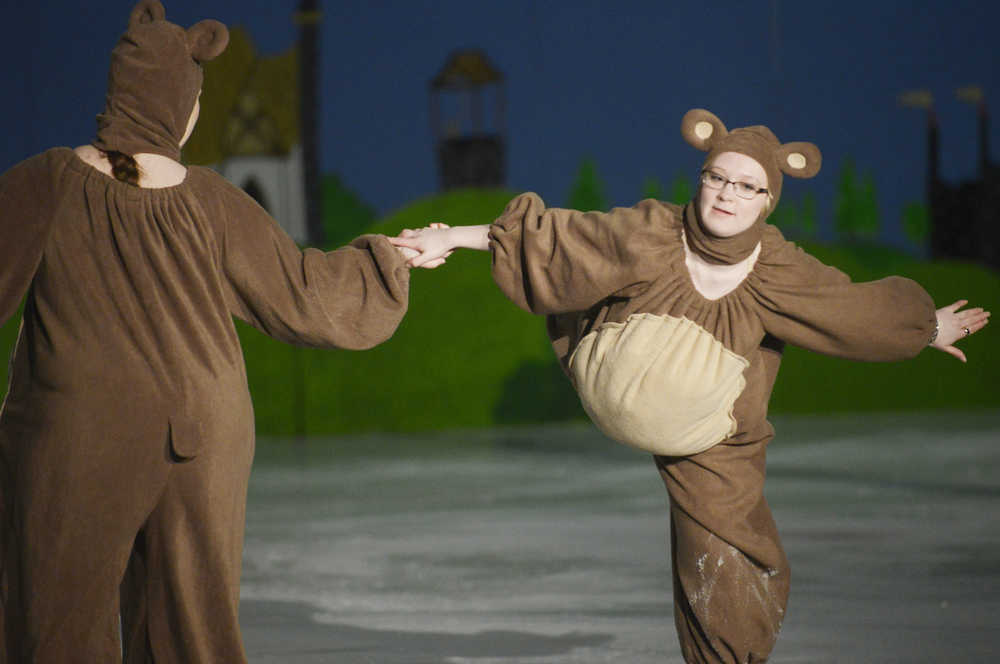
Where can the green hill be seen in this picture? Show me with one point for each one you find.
(465, 357)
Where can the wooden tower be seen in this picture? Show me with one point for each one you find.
(467, 121)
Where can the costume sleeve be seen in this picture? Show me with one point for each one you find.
(551, 260)
(25, 224)
(817, 307)
(354, 297)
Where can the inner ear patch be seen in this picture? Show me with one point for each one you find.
(799, 159)
(701, 129)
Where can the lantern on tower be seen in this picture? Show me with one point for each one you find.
(467, 121)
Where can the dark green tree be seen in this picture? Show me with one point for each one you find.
(786, 217)
(916, 223)
(588, 191)
(651, 188)
(869, 222)
(856, 215)
(681, 190)
(807, 215)
(796, 219)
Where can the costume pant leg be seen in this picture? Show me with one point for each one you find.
(75, 506)
(135, 621)
(730, 574)
(186, 565)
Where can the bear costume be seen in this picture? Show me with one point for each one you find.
(127, 431)
(661, 367)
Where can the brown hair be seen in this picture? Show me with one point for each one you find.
(123, 166)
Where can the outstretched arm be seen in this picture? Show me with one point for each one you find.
(817, 307)
(353, 297)
(553, 260)
(953, 325)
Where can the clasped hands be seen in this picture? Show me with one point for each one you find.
(427, 247)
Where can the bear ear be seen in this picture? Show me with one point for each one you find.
(798, 159)
(701, 129)
(207, 39)
(146, 11)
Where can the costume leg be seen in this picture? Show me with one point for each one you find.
(186, 567)
(730, 574)
(75, 507)
(135, 622)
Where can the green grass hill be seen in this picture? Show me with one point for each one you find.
(465, 357)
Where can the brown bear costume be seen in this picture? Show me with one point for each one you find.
(661, 367)
(126, 435)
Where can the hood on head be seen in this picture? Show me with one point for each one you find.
(704, 131)
(154, 81)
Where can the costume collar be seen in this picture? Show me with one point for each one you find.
(719, 250)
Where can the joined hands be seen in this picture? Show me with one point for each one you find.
(435, 242)
(424, 247)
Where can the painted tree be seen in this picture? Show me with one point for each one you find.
(681, 189)
(917, 223)
(786, 217)
(807, 215)
(868, 225)
(588, 191)
(856, 214)
(651, 188)
(796, 219)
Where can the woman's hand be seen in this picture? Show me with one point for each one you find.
(425, 247)
(407, 254)
(954, 325)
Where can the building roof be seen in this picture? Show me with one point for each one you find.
(466, 69)
(249, 104)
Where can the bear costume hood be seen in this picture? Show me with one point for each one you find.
(154, 81)
(704, 131)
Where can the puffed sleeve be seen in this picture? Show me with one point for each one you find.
(25, 225)
(353, 297)
(817, 307)
(552, 260)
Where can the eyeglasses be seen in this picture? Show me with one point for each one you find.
(746, 190)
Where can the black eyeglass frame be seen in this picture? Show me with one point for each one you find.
(736, 183)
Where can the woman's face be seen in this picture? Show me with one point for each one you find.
(723, 212)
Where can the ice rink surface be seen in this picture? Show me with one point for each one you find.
(550, 546)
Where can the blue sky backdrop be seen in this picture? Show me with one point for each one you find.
(608, 80)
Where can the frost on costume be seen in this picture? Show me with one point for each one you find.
(126, 435)
(660, 367)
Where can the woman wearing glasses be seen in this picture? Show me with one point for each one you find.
(670, 321)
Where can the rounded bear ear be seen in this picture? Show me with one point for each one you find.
(799, 159)
(146, 11)
(701, 129)
(207, 39)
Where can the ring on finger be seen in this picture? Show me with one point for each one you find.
(966, 331)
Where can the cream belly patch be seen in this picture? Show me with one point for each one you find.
(659, 383)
